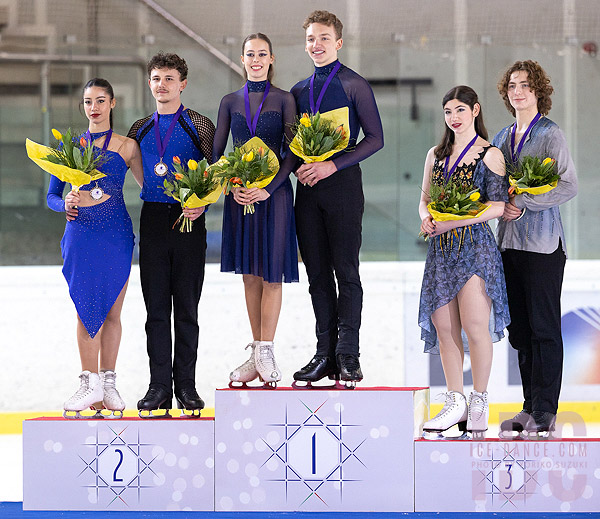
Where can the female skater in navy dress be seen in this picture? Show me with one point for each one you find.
(260, 246)
(97, 249)
(463, 289)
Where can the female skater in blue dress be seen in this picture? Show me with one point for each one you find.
(97, 248)
(260, 246)
(463, 289)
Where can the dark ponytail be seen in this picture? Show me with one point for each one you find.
(104, 85)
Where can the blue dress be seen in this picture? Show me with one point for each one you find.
(97, 246)
(262, 244)
(457, 255)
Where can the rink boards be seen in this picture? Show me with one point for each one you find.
(292, 450)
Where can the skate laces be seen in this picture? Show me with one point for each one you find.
(84, 387)
(448, 404)
(266, 357)
(477, 404)
(109, 380)
(350, 362)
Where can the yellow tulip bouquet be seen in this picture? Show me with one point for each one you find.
(454, 201)
(194, 186)
(533, 176)
(69, 160)
(319, 136)
(251, 165)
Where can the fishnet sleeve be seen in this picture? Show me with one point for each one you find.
(135, 128)
(206, 132)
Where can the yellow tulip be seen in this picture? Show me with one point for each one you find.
(248, 156)
(474, 196)
(57, 134)
(192, 164)
(305, 121)
(547, 160)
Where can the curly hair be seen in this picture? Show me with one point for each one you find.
(539, 83)
(325, 18)
(168, 61)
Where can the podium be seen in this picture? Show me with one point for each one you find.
(317, 450)
(312, 450)
(507, 476)
(126, 464)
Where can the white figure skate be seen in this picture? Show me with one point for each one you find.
(477, 422)
(245, 373)
(112, 401)
(267, 368)
(90, 391)
(453, 413)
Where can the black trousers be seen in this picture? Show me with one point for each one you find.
(172, 273)
(534, 284)
(329, 228)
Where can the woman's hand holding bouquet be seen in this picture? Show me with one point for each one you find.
(251, 166)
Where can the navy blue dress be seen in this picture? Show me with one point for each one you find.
(262, 244)
(459, 254)
(97, 246)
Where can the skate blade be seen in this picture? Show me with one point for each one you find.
(111, 414)
(512, 435)
(78, 416)
(539, 435)
(348, 384)
(244, 386)
(190, 413)
(438, 436)
(151, 416)
(307, 384)
(477, 435)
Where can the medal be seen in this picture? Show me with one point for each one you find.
(97, 193)
(161, 169)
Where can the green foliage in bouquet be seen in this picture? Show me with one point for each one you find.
(317, 135)
(243, 169)
(81, 155)
(533, 172)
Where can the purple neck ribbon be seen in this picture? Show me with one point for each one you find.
(515, 156)
(108, 134)
(315, 107)
(253, 122)
(162, 145)
(447, 174)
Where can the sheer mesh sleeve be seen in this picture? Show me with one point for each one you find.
(222, 131)
(289, 159)
(135, 128)
(359, 91)
(206, 132)
(54, 197)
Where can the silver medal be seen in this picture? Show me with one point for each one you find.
(97, 193)
(161, 169)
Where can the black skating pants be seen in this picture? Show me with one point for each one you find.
(329, 228)
(172, 273)
(534, 284)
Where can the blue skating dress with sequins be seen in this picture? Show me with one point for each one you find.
(262, 244)
(97, 246)
(457, 255)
